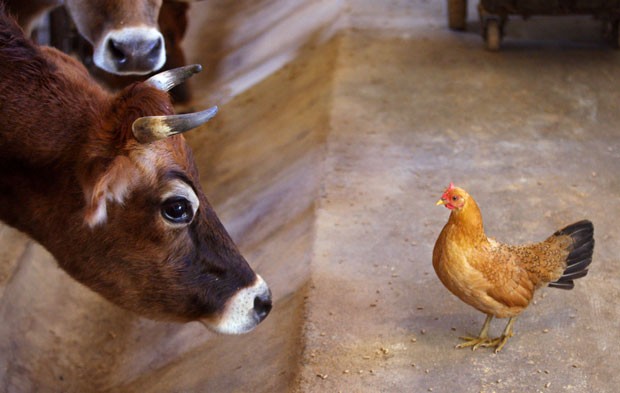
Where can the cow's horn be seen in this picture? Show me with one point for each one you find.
(151, 128)
(166, 80)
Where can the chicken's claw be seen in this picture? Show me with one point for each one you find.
(476, 342)
(484, 342)
(503, 339)
(483, 339)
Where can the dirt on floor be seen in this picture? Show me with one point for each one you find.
(340, 125)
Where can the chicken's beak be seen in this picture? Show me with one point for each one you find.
(440, 202)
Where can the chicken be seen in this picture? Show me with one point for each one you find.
(499, 279)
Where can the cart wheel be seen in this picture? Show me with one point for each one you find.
(457, 14)
(493, 35)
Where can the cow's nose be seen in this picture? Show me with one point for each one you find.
(139, 53)
(131, 50)
(245, 310)
(262, 305)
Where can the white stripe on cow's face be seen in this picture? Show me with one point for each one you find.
(244, 311)
(112, 186)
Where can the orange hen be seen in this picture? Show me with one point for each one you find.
(499, 279)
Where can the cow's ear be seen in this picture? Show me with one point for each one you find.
(108, 185)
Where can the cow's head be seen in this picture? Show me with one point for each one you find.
(157, 247)
(124, 34)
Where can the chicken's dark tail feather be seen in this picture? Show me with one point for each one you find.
(580, 256)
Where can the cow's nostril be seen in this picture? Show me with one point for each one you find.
(262, 306)
(116, 51)
(156, 47)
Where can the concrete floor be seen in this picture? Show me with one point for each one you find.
(341, 123)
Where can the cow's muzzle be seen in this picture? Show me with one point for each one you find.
(131, 51)
(244, 311)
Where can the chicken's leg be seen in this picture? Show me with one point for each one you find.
(506, 334)
(483, 339)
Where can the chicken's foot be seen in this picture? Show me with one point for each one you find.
(483, 339)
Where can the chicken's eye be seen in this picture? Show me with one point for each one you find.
(454, 198)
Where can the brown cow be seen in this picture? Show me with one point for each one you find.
(124, 34)
(97, 179)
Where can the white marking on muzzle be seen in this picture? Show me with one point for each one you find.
(130, 51)
(240, 316)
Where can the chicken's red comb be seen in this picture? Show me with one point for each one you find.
(445, 193)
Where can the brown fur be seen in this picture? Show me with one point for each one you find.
(94, 18)
(172, 23)
(65, 146)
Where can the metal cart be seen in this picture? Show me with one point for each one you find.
(494, 15)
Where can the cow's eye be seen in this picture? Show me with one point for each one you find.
(177, 210)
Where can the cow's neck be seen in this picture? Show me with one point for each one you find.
(33, 199)
(39, 186)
